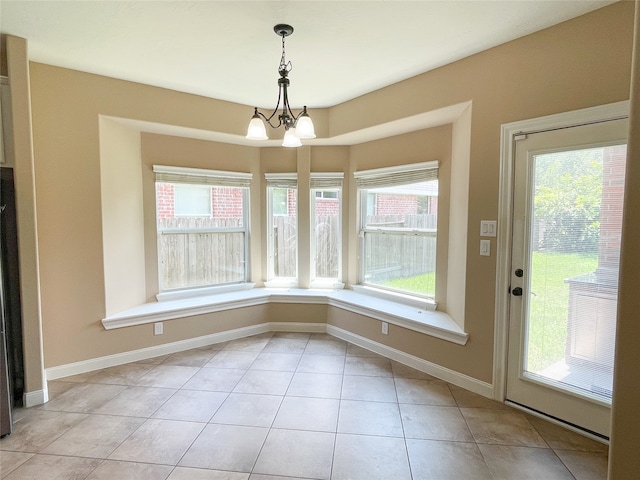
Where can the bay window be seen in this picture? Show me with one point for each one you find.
(398, 228)
(326, 235)
(282, 228)
(203, 227)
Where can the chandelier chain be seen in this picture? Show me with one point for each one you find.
(284, 65)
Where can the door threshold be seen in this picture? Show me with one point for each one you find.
(561, 423)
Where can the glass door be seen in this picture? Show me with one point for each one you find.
(566, 248)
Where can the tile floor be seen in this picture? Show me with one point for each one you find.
(283, 406)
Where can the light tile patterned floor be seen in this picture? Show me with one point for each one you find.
(284, 406)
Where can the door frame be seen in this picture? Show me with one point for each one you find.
(508, 134)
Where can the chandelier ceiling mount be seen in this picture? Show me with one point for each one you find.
(297, 126)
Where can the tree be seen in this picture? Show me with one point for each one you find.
(568, 191)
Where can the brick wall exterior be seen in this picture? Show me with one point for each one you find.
(226, 202)
(292, 199)
(611, 208)
(164, 200)
(327, 206)
(392, 204)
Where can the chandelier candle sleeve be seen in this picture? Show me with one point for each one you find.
(296, 126)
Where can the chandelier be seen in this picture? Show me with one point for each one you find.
(296, 127)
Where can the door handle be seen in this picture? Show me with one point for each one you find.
(517, 291)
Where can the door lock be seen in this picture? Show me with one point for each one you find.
(519, 273)
(517, 291)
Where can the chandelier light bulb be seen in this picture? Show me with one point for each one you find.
(291, 139)
(256, 130)
(304, 126)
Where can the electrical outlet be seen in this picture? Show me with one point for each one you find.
(158, 328)
(385, 328)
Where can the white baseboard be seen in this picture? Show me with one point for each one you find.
(297, 327)
(37, 397)
(459, 379)
(451, 376)
(94, 364)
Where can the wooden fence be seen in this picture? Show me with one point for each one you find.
(192, 253)
(390, 255)
(191, 257)
(327, 238)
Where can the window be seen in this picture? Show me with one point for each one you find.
(203, 227)
(398, 228)
(326, 215)
(282, 219)
(192, 200)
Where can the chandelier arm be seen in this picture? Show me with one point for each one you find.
(275, 110)
(286, 110)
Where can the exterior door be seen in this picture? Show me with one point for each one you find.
(567, 216)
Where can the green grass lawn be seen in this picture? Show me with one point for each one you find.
(550, 304)
(421, 284)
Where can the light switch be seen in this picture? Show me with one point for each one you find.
(488, 228)
(485, 248)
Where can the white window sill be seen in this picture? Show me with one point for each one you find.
(409, 300)
(202, 291)
(282, 282)
(433, 323)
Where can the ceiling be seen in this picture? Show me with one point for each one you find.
(228, 50)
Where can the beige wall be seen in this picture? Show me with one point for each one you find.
(581, 63)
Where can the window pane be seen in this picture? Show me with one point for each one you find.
(405, 206)
(577, 222)
(279, 199)
(326, 223)
(198, 259)
(200, 250)
(400, 229)
(192, 200)
(401, 262)
(284, 225)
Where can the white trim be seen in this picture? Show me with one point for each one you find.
(435, 324)
(327, 283)
(505, 195)
(99, 363)
(297, 327)
(201, 172)
(451, 376)
(282, 282)
(203, 291)
(37, 397)
(397, 297)
(280, 176)
(560, 423)
(385, 171)
(94, 364)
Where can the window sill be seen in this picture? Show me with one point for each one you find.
(202, 291)
(395, 297)
(433, 323)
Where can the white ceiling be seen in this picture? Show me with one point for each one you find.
(228, 50)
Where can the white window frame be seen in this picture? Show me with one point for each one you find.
(211, 178)
(279, 180)
(385, 177)
(322, 182)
